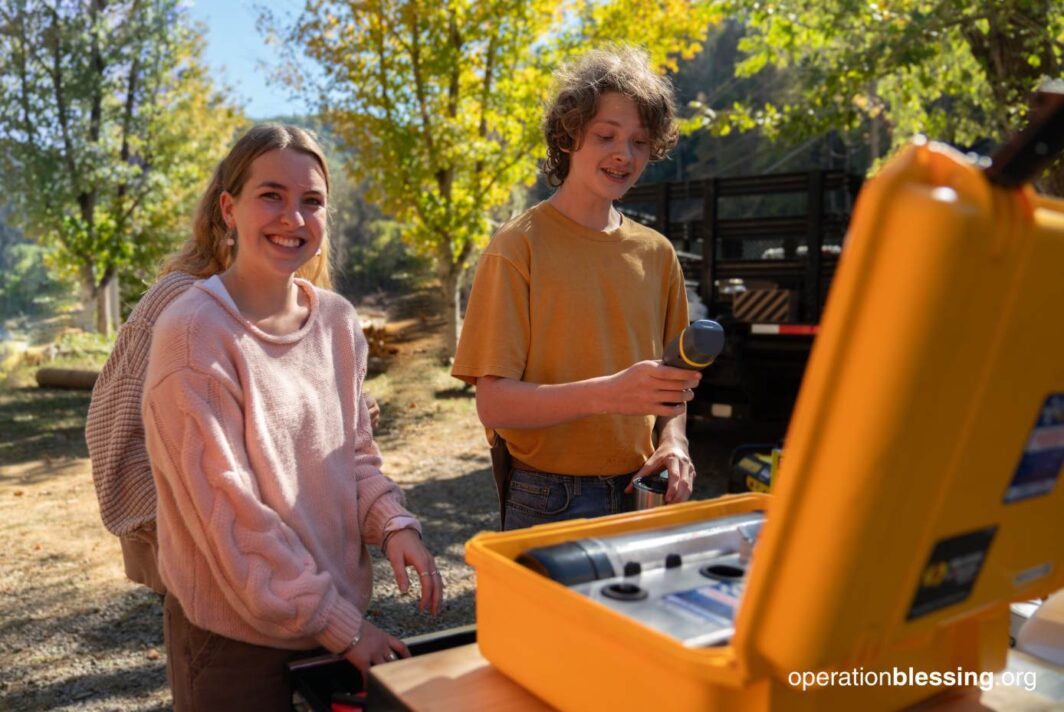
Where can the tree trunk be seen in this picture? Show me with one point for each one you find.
(101, 306)
(109, 310)
(86, 320)
(449, 274)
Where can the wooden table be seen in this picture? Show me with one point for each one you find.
(461, 679)
(456, 679)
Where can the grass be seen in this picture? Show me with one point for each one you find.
(72, 350)
(40, 423)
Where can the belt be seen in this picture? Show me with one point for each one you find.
(521, 465)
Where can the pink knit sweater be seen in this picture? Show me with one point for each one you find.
(269, 482)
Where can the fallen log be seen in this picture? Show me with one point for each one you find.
(71, 378)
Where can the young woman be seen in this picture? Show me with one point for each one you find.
(268, 479)
(114, 428)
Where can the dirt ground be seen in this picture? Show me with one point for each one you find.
(75, 634)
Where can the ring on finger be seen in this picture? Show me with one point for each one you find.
(392, 656)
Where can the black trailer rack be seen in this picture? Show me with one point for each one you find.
(730, 238)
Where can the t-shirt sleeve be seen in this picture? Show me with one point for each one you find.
(676, 314)
(496, 330)
(193, 427)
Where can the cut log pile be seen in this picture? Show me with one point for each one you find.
(377, 337)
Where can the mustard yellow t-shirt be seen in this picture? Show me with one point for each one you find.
(555, 302)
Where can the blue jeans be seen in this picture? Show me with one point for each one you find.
(540, 498)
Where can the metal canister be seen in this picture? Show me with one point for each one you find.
(650, 490)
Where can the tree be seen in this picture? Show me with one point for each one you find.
(24, 279)
(440, 104)
(708, 79)
(958, 70)
(98, 99)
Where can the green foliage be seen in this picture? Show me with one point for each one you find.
(369, 253)
(109, 126)
(379, 259)
(27, 288)
(709, 80)
(958, 70)
(440, 104)
(82, 350)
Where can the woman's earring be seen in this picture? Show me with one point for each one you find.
(318, 253)
(230, 237)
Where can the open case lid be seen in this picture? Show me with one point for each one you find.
(920, 480)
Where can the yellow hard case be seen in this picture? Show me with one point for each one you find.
(905, 518)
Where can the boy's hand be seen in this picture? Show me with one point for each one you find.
(405, 549)
(671, 456)
(650, 388)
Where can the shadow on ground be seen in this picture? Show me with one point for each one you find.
(451, 512)
(42, 423)
(116, 644)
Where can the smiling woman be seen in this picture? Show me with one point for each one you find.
(277, 223)
(212, 248)
(268, 480)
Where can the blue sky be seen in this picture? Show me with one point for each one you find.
(235, 51)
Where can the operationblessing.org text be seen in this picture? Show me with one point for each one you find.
(907, 677)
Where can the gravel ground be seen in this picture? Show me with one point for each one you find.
(74, 634)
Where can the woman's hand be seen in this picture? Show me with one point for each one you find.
(374, 647)
(374, 410)
(405, 549)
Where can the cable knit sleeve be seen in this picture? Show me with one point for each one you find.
(194, 434)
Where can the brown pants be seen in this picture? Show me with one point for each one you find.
(210, 672)
(140, 554)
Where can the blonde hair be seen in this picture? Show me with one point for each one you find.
(207, 252)
(578, 88)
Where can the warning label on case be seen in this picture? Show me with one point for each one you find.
(1043, 455)
(951, 571)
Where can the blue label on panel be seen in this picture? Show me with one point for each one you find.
(715, 601)
(1043, 455)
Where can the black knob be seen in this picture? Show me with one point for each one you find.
(632, 568)
(673, 561)
(624, 592)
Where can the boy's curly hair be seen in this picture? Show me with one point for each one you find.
(579, 85)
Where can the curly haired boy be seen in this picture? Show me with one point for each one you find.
(571, 307)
